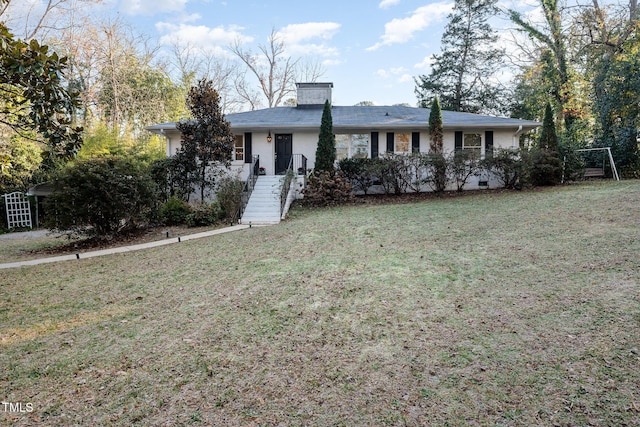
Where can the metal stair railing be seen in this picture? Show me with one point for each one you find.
(297, 163)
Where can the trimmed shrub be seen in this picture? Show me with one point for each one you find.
(327, 188)
(229, 196)
(359, 171)
(203, 215)
(546, 167)
(101, 197)
(505, 165)
(174, 212)
(437, 172)
(463, 165)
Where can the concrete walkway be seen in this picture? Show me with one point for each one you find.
(120, 249)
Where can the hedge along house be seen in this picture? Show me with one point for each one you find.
(285, 137)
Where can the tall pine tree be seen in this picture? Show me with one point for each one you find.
(547, 167)
(548, 137)
(461, 75)
(326, 151)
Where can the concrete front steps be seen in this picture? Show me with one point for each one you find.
(264, 204)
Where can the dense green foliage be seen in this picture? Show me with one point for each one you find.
(174, 212)
(101, 197)
(548, 138)
(204, 214)
(326, 149)
(207, 141)
(585, 64)
(229, 197)
(21, 159)
(507, 166)
(359, 171)
(33, 97)
(435, 127)
(618, 105)
(461, 74)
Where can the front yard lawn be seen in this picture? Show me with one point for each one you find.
(511, 309)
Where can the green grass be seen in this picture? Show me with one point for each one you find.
(505, 309)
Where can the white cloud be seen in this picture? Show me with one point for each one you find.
(384, 4)
(391, 72)
(312, 50)
(297, 33)
(298, 38)
(402, 30)
(331, 62)
(212, 39)
(382, 73)
(151, 7)
(425, 64)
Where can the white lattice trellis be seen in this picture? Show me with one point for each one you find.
(18, 210)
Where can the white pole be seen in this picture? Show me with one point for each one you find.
(613, 165)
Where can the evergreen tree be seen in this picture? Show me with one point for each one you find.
(548, 138)
(207, 141)
(326, 151)
(546, 165)
(461, 74)
(435, 127)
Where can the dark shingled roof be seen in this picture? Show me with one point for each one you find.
(359, 118)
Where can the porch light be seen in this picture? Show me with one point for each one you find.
(269, 139)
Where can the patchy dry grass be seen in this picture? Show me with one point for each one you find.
(25, 245)
(22, 246)
(510, 309)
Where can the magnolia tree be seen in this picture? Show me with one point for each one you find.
(207, 141)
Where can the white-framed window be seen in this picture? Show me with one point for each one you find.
(239, 147)
(402, 143)
(354, 145)
(473, 143)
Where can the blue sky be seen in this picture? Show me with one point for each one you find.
(371, 50)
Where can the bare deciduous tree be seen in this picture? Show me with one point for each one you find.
(29, 20)
(276, 74)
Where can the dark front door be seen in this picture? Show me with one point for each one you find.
(284, 150)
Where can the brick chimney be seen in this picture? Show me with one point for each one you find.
(313, 94)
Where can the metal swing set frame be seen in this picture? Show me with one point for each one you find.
(598, 172)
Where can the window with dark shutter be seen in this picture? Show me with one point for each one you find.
(488, 143)
(248, 158)
(390, 142)
(415, 142)
(458, 140)
(374, 145)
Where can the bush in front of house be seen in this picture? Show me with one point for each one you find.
(102, 197)
(437, 171)
(229, 197)
(327, 188)
(174, 211)
(506, 166)
(546, 167)
(203, 214)
(464, 164)
(359, 171)
(393, 172)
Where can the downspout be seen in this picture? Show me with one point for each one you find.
(516, 138)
